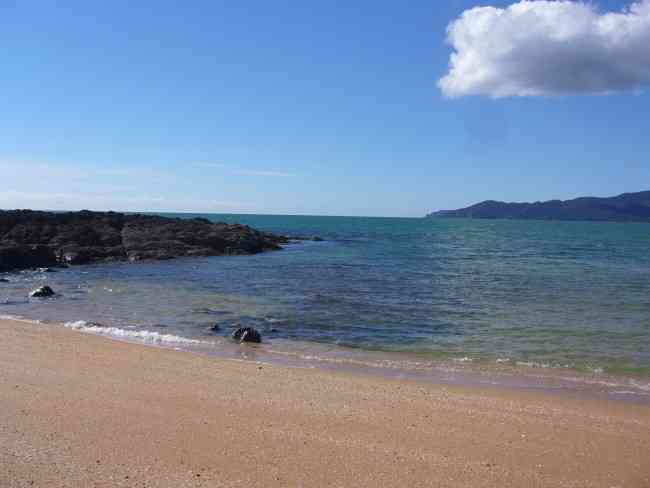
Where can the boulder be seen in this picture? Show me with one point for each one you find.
(42, 292)
(247, 334)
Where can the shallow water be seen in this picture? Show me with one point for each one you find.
(495, 295)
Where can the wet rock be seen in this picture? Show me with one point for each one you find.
(31, 239)
(42, 292)
(215, 328)
(15, 256)
(247, 334)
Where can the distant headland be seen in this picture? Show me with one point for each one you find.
(627, 207)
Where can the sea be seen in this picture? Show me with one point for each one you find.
(562, 307)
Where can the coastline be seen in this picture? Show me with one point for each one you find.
(443, 370)
(81, 410)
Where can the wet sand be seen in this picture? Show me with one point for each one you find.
(78, 410)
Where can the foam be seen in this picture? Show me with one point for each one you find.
(146, 336)
(464, 359)
(18, 318)
(535, 364)
(641, 386)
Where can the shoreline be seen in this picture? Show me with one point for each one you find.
(80, 410)
(499, 374)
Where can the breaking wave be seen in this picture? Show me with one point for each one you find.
(146, 336)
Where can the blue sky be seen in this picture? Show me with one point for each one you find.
(308, 108)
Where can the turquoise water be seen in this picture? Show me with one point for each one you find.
(560, 294)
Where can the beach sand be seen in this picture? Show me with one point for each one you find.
(78, 410)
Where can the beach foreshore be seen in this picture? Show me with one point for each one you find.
(78, 410)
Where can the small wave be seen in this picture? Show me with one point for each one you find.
(629, 392)
(146, 336)
(271, 320)
(10, 302)
(641, 386)
(211, 311)
(18, 318)
(535, 364)
(462, 360)
(9, 317)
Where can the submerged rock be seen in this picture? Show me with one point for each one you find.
(247, 334)
(42, 292)
(306, 238)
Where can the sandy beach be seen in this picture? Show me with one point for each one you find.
(78, 410)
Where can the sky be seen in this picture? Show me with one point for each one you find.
(322, 108)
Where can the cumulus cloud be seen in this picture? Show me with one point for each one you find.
(536, 48)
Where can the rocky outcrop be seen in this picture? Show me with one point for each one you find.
(33, 239)
(159, 238)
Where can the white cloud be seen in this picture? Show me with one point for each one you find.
(209, 165)
(76, 172)
(246, 172)
(534, 48)
(255, 172)
(73, 186)
(113, 201)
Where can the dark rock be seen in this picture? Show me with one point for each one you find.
(14, 256)
(278, 239)
(42, 292)
(31, 239)
(215, 328)
(247, 334)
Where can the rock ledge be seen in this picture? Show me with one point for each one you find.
(35, 239)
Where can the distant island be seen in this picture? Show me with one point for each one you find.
(627, 207)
